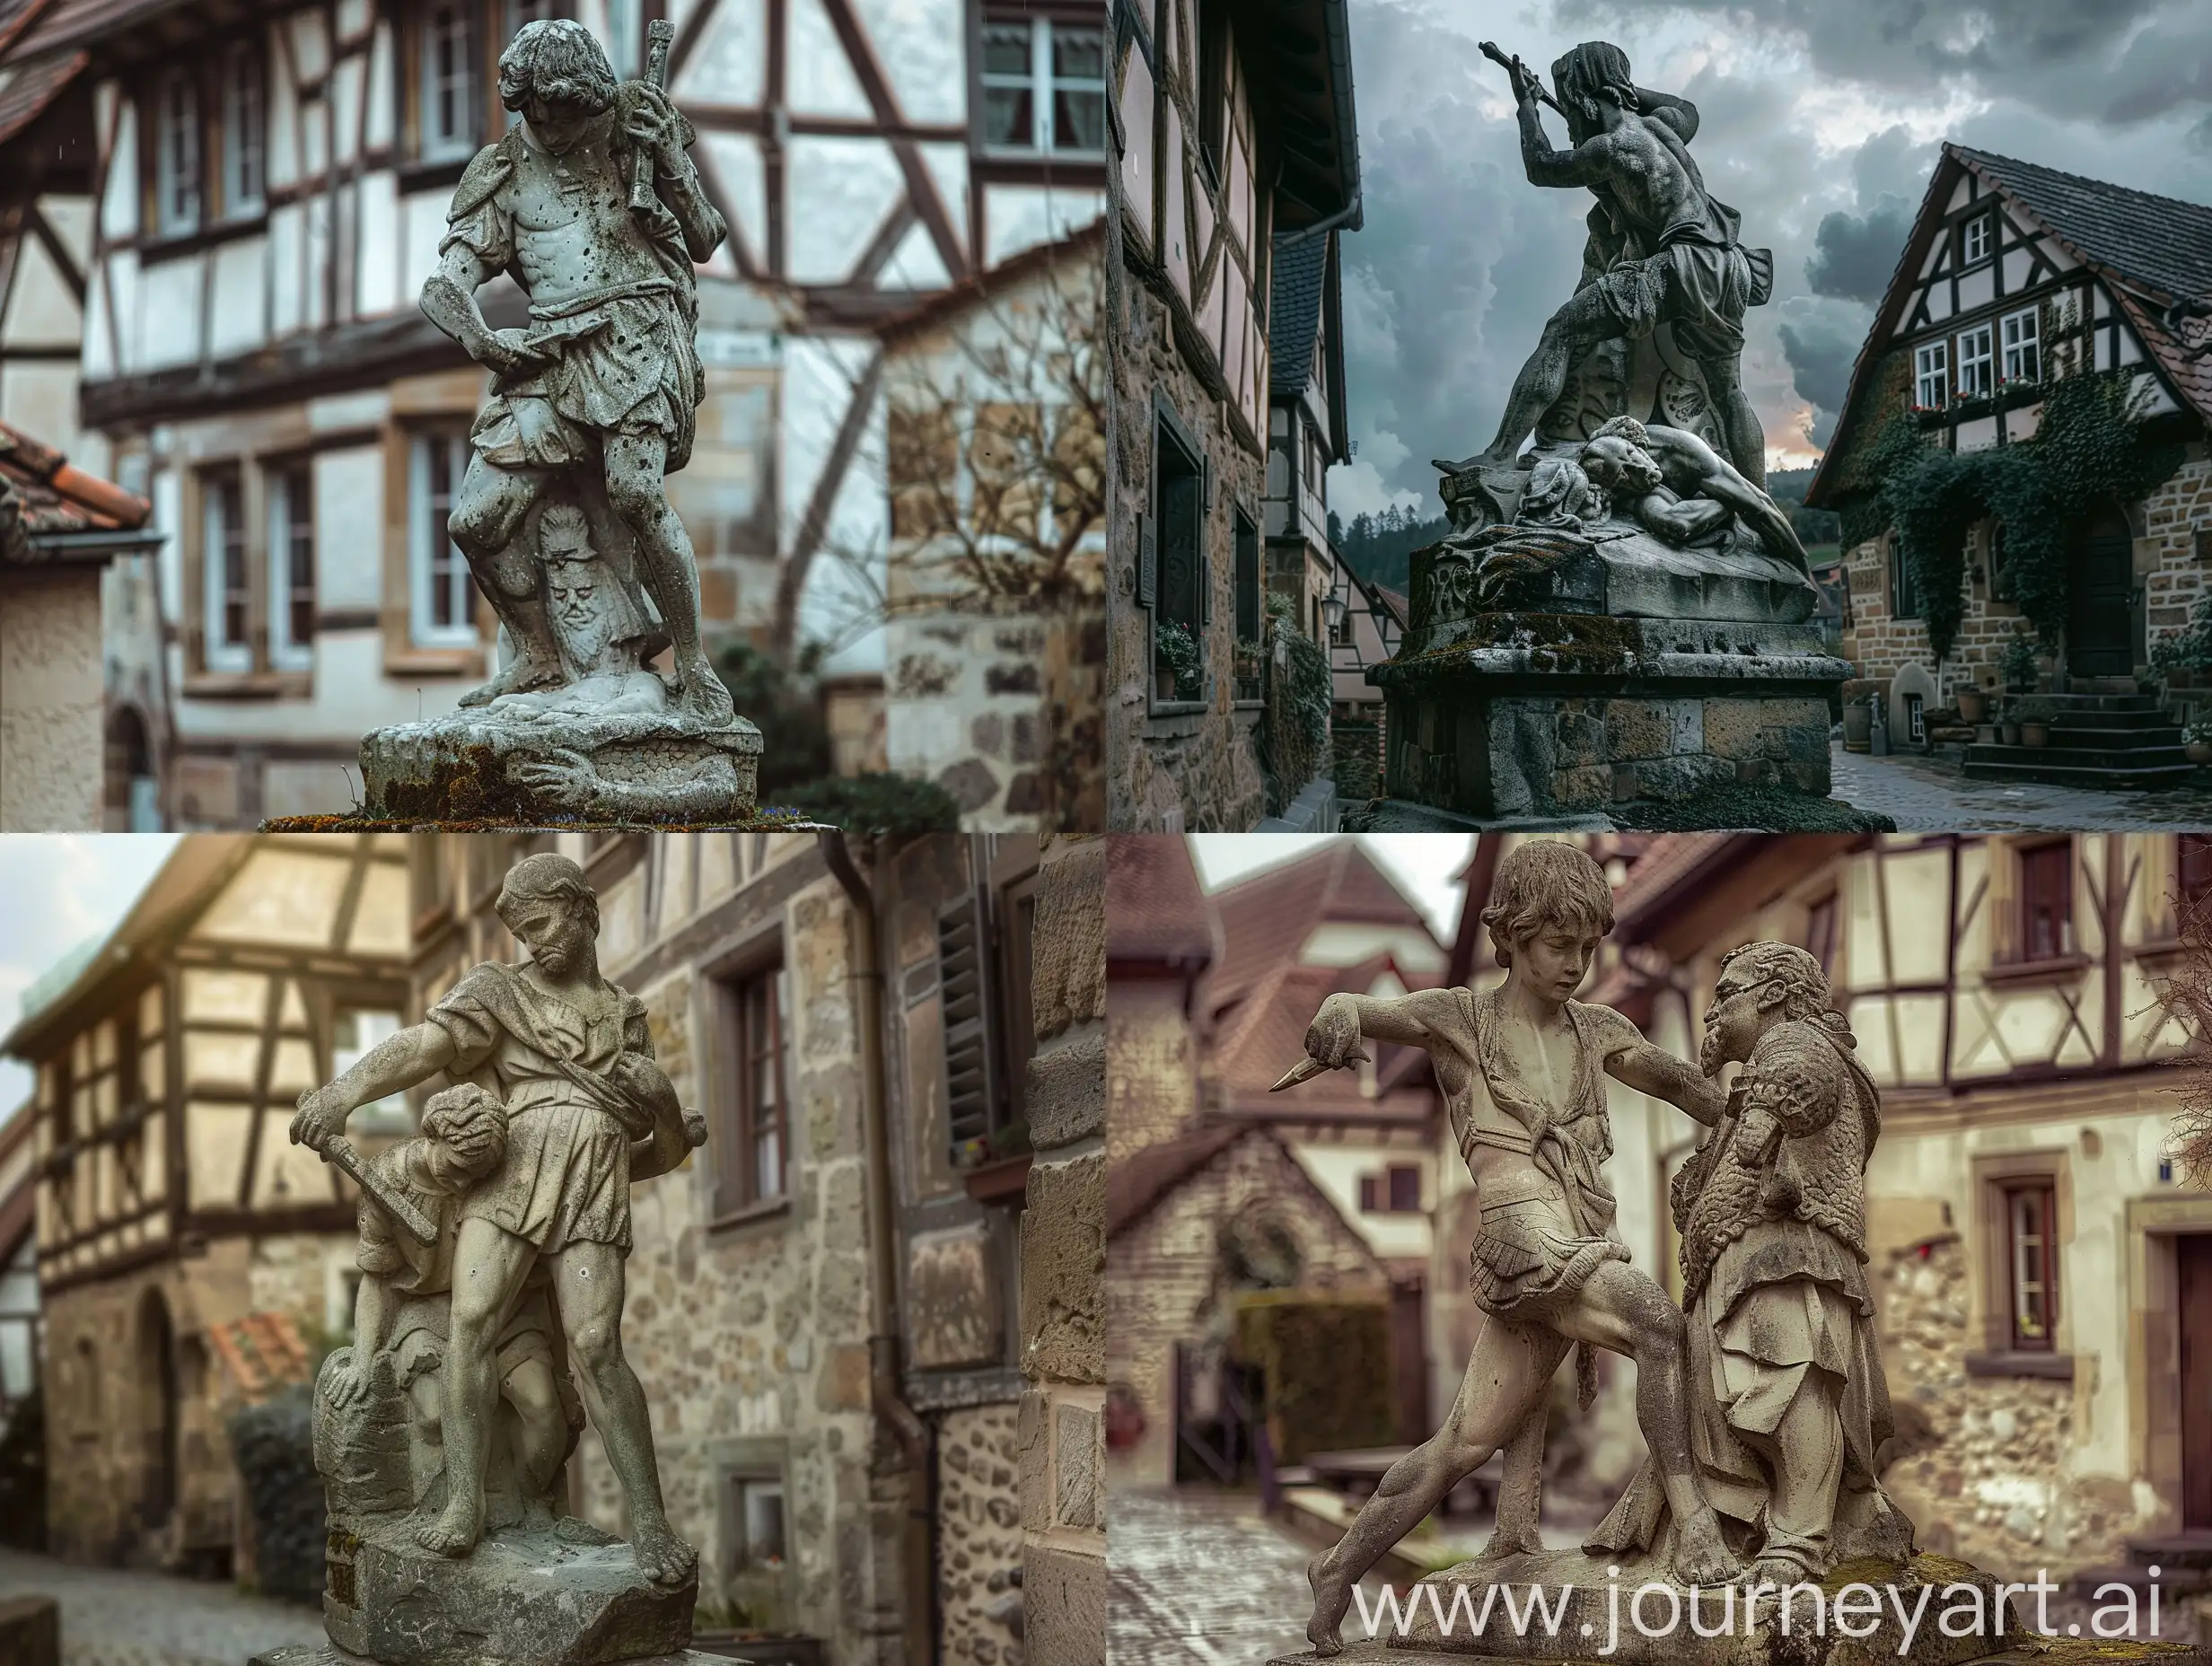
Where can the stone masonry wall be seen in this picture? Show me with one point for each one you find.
(978, 1535)
(2177, 526)
(49, 699)
(1191, 770)
(1061, 1434)
(1991, 1484)
(965, 711)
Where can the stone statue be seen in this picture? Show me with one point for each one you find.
(1663, 248)
(592, 204)
(1678, 488)
(1788, 1402)
(489, 1315)
(1522, 1068)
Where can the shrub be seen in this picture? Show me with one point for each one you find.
(273, 1445)
(795, 738)
(877, 803)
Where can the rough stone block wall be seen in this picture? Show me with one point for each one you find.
(978, 1535)
(1160, 1272)
(967, 708)
(1357, 748)
(2177, 525)
(1191, 771)
(1061, 1432)
(51, 700)
(1992, 1485)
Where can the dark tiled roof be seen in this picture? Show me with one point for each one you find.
(44, 26)
(2163, 241)
(25, 93)
(1155, 908)
(56, 498)
(1266, 1035)
(1294, 311)
(1140, 1180)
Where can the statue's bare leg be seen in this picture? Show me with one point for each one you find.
(1508, 1374)
(1520, 1500)
(1623, 1309)
(1572, 331)
(542, 1436)
(486, 514)
(587, 1288)
(1747, 441)
(666, 564)
(489, 1265)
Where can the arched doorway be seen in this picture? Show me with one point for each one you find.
(2100, 582)
(156, 1393)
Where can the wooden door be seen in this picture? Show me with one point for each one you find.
(2193, 1252)
(2099, 634)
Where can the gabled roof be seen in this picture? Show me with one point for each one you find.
(1267, 1035)
(63, 510)
(2150, 251)
(1155, 909)
(1136, 1182)
(27, 93)
(1266, 916)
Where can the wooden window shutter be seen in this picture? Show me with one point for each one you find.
(963, 948)
(1147, 559)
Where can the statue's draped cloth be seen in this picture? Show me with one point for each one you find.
(566, 1177)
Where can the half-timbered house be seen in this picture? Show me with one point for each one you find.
(796, 1392)
(262, 192)
(1235, 148)
(2016, 273)
(171, 1201)
(1366, 621)
(2044, 1283)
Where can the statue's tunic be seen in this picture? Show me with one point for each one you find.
(567, 1176)
(422, 1274)
(608, 294)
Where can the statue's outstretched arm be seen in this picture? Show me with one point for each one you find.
(1586, 164)
(393, 1065)
(1639, 1064)
(1405, 1020)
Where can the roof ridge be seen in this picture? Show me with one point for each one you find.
(2079, 178)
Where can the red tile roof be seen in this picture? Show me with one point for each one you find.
(56, 498)
(1140, 1180)
(1266, 1035)
(264, 1352)
(1155, 909)
(1266, 915)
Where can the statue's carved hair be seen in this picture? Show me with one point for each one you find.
(547, 878)
(564, 518)
(559, 60)
(1541, 883)
(1805, 992)
(1623, 428)
(1591, 69)
(471, 1122)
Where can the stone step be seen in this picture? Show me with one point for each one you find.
(2101, 740)
(2089, 717)
(2190, 1547)
(2159, 766)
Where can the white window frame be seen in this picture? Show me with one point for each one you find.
(1041, 84)
(1977, 361)
(176, 154)
(437, 142)
(245, 133)
(220, 651)
(284, 652)
(422, 562)
(2021, 334)
(1975, 240)
(1931, 374)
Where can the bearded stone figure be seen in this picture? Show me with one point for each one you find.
(489, 1322)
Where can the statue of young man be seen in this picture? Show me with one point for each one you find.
(607, 376)
(1674, 255)
(1521, 1068)
(1789, 1404)
(588, 1111)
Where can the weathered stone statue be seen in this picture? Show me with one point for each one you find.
(1620, 610)
(1789, 1400)
(590, 203)
(489, 1317)
(1523, 1069)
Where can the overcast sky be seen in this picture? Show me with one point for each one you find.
(57, 889)
(1425, 866)
(1820, 121)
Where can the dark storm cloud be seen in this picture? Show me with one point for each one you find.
(1853, 257)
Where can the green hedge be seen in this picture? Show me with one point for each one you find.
(1326, 1363)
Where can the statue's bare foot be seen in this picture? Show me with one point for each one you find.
(1702, 1556)
(662, 1557)
(528, 672)
(453, 1533)
(1332, 1596)
(1511, 1541)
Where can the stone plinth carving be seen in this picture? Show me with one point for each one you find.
(592, 204)
(492, 1249)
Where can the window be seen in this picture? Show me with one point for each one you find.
(1247, 579)
(1179, 506)
(1397, 1191)
(176, 156)
(244, 132)
(1044, 85)
(1821, 932)
(1915, 719)
(19, 1325)
(442, 603)
(1930, 380)
(356, 1031)
(291, 568)
(2022, 340)
(754, 1159)
(759, 1521)
(1213, 22)
(446, 80)
(2031, 1261)
(1974, 361)
(1974, 239)
(227, 589)
(2047, 901)
(1904, 590)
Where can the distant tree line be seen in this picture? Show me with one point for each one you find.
(1377, 545)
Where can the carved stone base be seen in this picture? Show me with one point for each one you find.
(305, 1654)
(568, 1596)
(1587, 1630)
(634, 767)
(1545, 715)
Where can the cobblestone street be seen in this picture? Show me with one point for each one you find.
(1197, 1576)
(1929, 793)
(110, 1616)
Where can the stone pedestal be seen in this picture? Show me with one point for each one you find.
(562, 1596)
(305, 1654)
(636, 766)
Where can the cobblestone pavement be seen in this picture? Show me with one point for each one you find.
(111, 1617)
(1930, 793)
(1196, 1576)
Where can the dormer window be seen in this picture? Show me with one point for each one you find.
(1974, 239)
(176, 154)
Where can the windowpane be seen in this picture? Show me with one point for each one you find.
(2021, 336)
(1006, 49)
(1930, 380)
(177, 155)
(1079, 54)
(1974, 361)
(2047, 901)
(1006, 117)
(760, 1506)
(1078, 121)
(448, 93)
(291, 566)
(755, 1156)
(243, 134)
(2031, 1228)
(226, 586)
(1976, 241)
(445, 591)
(1405, 1190)
(1078, 88)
